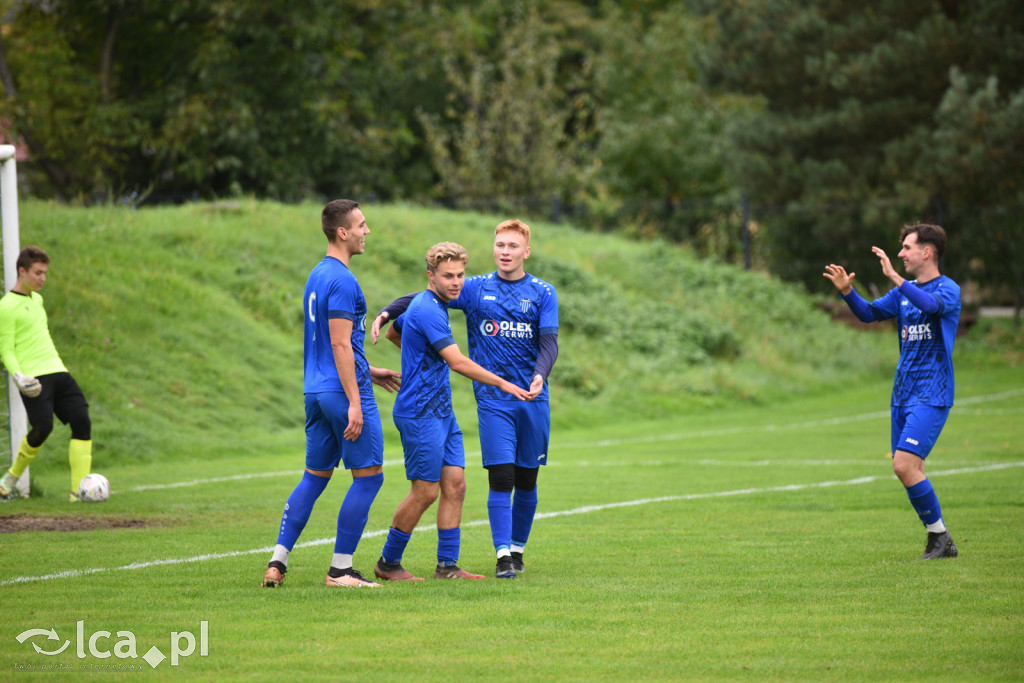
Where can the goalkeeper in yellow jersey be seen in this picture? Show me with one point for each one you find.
(46, 386)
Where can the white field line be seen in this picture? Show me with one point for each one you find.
(542, 515)
(847, 419)
(649, 439)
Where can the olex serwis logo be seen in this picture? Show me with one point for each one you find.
(506, 328)
(102, 645)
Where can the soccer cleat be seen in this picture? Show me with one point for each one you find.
(939, 545)
(392, 571)
(73, 497)
(505, 568)
(8, 486)
(274, 576)
(349, 578)
(453, 572)
(517, 563)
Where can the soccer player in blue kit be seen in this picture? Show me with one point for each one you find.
(342, 422)
(512, 324)
(927, 310)
(435, 459)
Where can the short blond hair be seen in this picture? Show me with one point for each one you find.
(514, 225)
(445, 251)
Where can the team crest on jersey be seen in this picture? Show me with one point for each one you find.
(524, 305)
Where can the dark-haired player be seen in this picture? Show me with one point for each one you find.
(928, 311)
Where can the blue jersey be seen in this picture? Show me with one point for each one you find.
(504, 321)
(426, 381)
(333, 292)
(924, 374)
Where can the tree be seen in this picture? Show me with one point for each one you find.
(505, 135)
(664, 147)
(852, 92)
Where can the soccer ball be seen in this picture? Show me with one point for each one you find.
(94, 488)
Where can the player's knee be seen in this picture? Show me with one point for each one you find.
(425, 495)
(502, 478)
(40, 432)
(455, 490)
(526, 478)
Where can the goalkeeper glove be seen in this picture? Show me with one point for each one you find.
(29, 386)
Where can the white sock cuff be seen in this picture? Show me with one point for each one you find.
(280, 554)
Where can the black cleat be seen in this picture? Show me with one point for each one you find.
(517, 563)
(505, 569)
(939, 545)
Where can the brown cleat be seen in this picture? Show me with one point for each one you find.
(349, 578)
(453, 572)
(392, 571)
(273, 578)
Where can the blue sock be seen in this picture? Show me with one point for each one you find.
(298, 507)
(524, 505)
(394, 547)
(499, 510)
(448, 546)
(355, 510)
(926, 503)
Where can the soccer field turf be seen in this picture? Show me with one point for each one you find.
(748, 543)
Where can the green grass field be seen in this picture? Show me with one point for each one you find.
(719, 504)
(751, 542)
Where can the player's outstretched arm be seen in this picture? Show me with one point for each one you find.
(389, 379)
(390, 312)
(394, 335)
(468, 368)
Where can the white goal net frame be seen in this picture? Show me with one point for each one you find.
(17, 422)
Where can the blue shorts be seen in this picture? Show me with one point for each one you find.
(915, 429)
(326, 446)
(430, 443)
(514, 432)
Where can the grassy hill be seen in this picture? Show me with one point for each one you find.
(184, 324)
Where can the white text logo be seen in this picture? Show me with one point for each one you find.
(182, 644)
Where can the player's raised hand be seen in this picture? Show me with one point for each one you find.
(536, 386)
(29, 386)
(389, 379)
(516, 391)
(887, 268)
(378, 322)
(839, 277)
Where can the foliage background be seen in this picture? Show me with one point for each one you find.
(817, 126)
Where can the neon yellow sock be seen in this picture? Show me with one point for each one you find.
(26, 454)
(80, 457)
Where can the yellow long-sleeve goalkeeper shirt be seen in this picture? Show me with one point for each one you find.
(25, 342)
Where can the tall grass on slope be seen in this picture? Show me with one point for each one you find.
(184, 324)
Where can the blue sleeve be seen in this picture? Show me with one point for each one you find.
(547, 355)
(436, 328)
(341, 299)
(549, 319)
(399, 324)
(924, 301)
(860, 307)
(398, 306)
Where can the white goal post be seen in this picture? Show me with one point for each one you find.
(12, 245)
